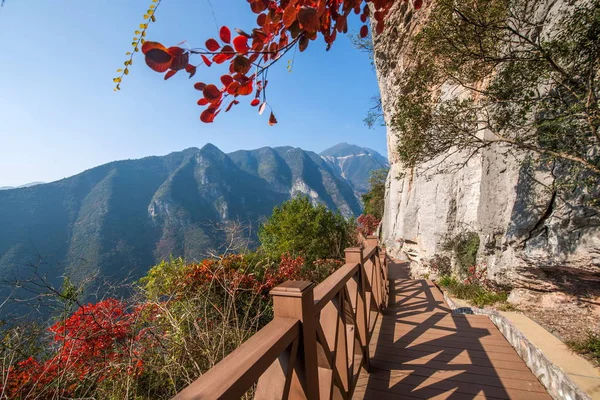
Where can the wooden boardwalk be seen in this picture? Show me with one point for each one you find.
(419, 350)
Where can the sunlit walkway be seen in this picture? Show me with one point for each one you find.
(420, 350)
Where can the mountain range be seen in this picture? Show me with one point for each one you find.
(21, 186)
(118, 219)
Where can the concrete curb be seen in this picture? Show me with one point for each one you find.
(554, 379)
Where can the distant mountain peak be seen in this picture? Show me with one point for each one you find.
(354, 163)
(345, 149)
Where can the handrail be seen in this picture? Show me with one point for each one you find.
(318, 342)
(236, 373)
(327, 289)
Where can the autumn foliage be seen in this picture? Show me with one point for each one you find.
(281, 25)
(367, 224)
(184, 320)
(97, 342)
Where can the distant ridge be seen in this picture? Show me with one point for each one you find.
(22, 186)
(118, 219)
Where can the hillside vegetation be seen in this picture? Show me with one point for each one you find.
(182, 318)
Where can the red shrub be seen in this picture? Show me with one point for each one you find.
(367, 224)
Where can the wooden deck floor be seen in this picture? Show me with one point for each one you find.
(421, 351)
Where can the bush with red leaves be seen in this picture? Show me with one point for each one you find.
(367, 224)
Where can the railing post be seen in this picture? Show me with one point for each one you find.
(372, 241)
(355, 255)
(295, 299)
(380, 280)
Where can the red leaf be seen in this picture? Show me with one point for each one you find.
(170, 74)
(158, 60)
(226, 79)
(245, 89)
(261, 19)
(255, 102)
(212, 45)
(191, 70)
(289, 15)
(206, 60)
(175, 51)
(212, 93)
(241, 65)
(147, 46)
(181, 58)
(309, 18)
(232, 88)
(208, 115)
(258, 6)
(233, 103)
(364, 31)
(202, 102)
(225, 34)
(199, 85)
(303, 43)
(259, 35)
(417, 4)
(241, 44)
(272, 119)
(227, 53)
(220, 58)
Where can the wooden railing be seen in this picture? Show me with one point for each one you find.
(317, 342)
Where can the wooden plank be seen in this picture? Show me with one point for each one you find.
(378, 381)
(462, 358)
(459, 376)
(420, 350)
(449, 337)
(407, 363)
(478, 357)
(440, 343)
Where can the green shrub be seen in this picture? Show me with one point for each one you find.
(446, 281)
(464, 247)
(590, 346)
(298, 226)
(474, 293)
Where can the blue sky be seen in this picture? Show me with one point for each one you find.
(60, 116)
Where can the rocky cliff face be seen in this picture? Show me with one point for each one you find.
(527, 233)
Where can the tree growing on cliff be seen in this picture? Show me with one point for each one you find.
(374, 199)
(518, 74)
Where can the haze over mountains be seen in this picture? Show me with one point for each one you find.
(21, 186)
(118, 219)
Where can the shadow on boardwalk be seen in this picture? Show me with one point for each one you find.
(420, 350)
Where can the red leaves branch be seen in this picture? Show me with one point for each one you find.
(281, 24)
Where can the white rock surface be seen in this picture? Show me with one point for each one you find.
(524, 229)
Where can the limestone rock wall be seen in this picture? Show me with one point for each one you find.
(526, 232)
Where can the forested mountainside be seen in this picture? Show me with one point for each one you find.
(118, 219)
